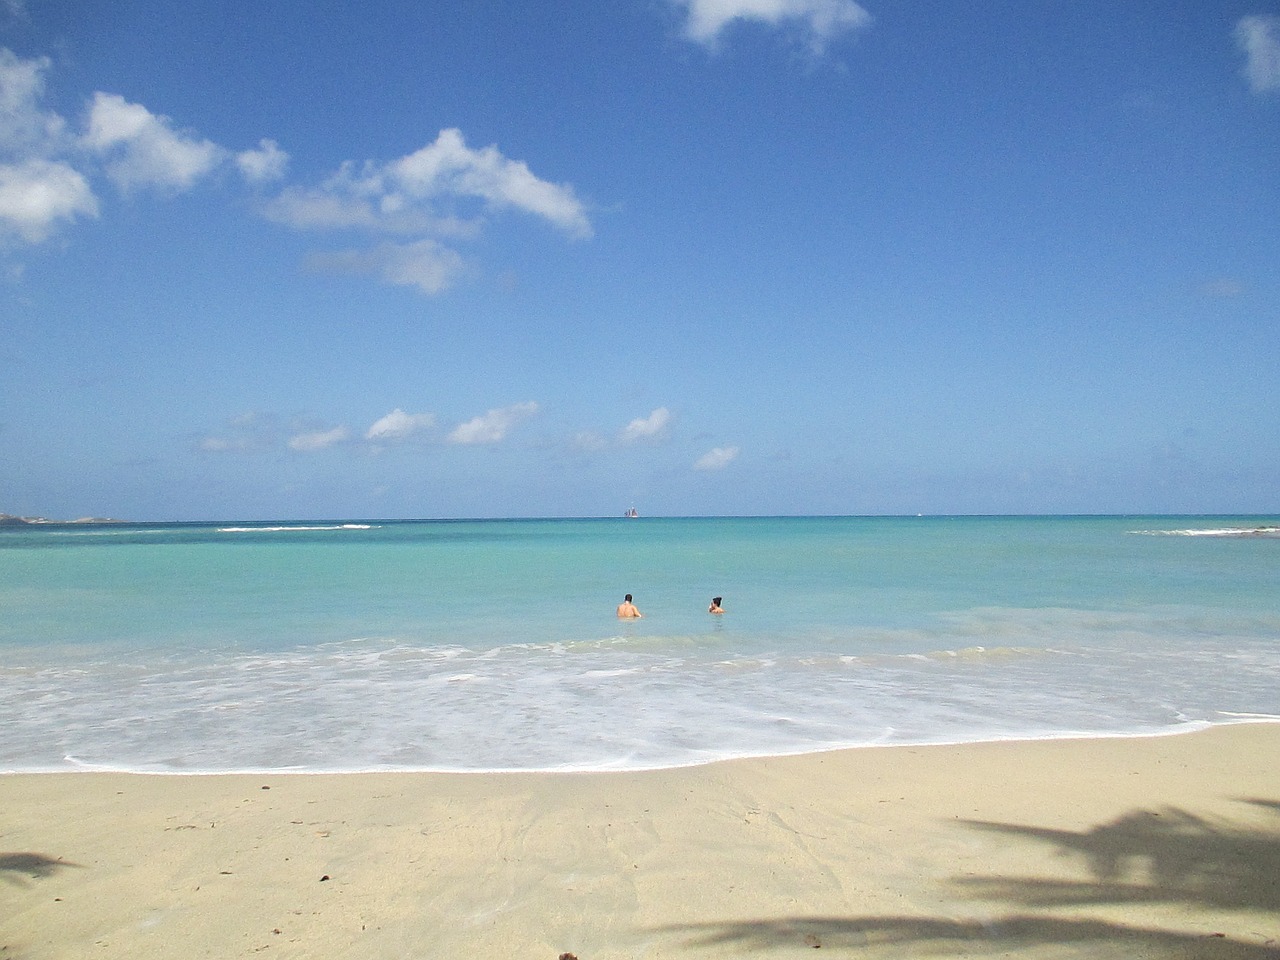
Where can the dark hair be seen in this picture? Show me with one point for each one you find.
(716, 600)
(628, 598)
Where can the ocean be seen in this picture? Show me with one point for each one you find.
(492, 644)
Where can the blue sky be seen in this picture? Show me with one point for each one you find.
(321, 260)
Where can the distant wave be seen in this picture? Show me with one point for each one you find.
(116, 532)
(292, 529)
(1214, 532)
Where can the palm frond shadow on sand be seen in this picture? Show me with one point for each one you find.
(1148, 857)
(1005, 937)
(23, 867)
(1160, 856)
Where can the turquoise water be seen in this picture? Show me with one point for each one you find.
(493, 645)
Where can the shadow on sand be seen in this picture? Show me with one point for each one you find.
(1144, 857)
(1005, 937)
(1161, 856)
(22, 868)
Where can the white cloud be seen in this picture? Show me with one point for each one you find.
(716, 459)
(426, 264)
(416, 197)
(37, 190)
(1259, 38)
(398, 425)
(261, 432)
(404, 195)
(652, 427)
(448, 167)
(319, 440)
(146, 149)
(26, 131)
(494, 425)
(263, 165)
(46, 170)
(413, 197)
(823, 19)
(37, 194)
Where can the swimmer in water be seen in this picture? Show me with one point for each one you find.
(627, 610)
(715, 605)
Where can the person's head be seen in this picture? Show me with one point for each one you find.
(715, 601)
(628, 598)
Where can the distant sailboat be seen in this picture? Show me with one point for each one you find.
(631, 514)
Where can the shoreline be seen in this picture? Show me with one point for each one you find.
(1145, 846)
(1186, 729)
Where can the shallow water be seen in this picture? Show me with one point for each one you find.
(493, 645)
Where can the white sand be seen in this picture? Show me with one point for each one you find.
(1130, 848)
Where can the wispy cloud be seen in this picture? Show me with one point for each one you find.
(259, 433)
(220, 444)
(1223, 288)
(716, 459)
(588, 441)
(245, 433)
(494, 425)
(323, 209)
(398, 425)
(425, 264)
(822, 20)
(262, 432)
(650, 428)
(319, 439)
(1259, 38)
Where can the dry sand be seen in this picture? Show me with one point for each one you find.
(1129, 848)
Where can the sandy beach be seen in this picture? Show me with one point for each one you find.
(1154, 847)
